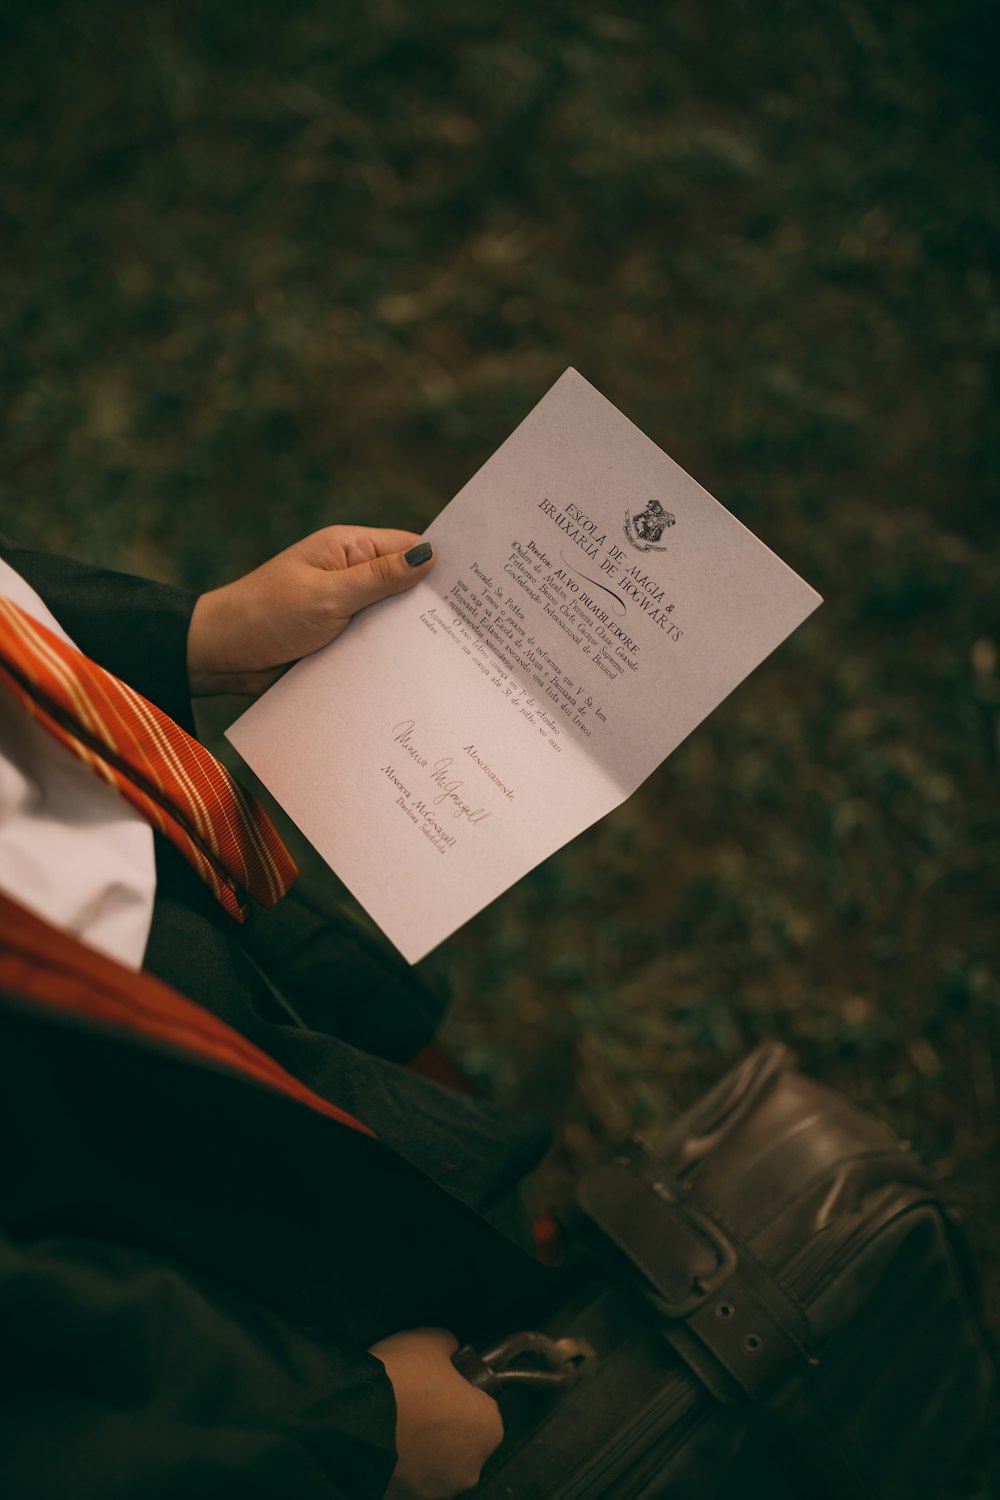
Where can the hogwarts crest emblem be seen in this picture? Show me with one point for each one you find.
(645, 529)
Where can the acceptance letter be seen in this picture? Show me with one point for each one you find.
(590, 605)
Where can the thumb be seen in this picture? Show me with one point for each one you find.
(379, 577)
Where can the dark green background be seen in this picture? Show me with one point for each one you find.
(268, 266)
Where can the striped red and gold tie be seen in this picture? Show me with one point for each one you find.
(171, 779)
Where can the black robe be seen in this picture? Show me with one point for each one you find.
(192, 1266)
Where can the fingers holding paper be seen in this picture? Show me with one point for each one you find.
(367, 565)
(242, 636)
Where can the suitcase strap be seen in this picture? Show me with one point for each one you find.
(739, 1332)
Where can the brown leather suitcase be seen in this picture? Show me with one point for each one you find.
(781, 1305)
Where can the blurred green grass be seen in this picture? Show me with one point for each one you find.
(267, 266)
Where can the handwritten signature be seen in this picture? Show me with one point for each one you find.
(449, 792)
(402, 733)
(450, 786)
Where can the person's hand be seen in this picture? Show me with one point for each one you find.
(244, 635)
(446, 1429)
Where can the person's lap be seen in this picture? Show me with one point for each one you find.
(341, 1011)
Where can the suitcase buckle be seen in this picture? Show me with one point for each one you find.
(677, 1249)
(703, 1283)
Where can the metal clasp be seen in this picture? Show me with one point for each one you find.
(558, 1362)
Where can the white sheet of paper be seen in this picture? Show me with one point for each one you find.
(589, 606)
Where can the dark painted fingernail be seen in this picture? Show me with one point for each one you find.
(418, 554)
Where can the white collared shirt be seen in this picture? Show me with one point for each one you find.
(71, 850)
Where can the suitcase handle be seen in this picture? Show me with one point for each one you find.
(560, 1362)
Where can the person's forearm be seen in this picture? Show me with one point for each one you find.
(224, 1396)
(214, 630)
